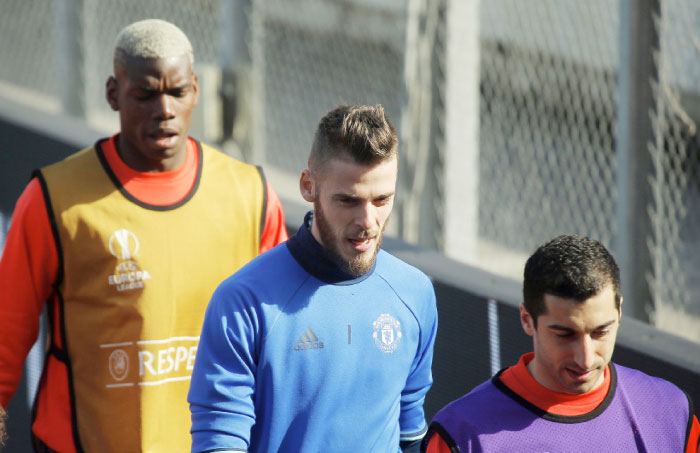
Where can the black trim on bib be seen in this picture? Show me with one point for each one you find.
(54, 226)
(263, 215)
(53, 349)
(133, 199)
(555, 417)
(69, 369)
(691, 413)
(37, 445)
(436, 427)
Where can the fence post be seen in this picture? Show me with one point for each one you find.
(70, 55)
(637, 71)
(461, 166)
(420, 204)
(234, 60)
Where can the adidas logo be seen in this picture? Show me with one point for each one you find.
(308, 340)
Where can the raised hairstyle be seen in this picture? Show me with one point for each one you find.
(363, 133)
(151, 38)
(568, 266)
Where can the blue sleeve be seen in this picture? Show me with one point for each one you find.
(412, 418)
(223, 379)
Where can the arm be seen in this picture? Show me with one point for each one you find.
(410, 446)
(3, 430)
(412, 418)
(694, 437)
(434, 443)
(274, 232)
(28, 268)
(223, 380)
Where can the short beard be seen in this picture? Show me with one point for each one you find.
(356, 266)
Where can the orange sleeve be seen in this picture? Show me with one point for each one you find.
(28, 268)
(694, 437)
(274, 232)
(436, 444)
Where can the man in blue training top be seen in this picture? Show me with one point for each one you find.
(324, 343)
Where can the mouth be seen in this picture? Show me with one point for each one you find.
(164, 138)
(362, 244)
(580, 375)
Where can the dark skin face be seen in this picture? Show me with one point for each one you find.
(155, 99)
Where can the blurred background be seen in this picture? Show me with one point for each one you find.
(518, 121)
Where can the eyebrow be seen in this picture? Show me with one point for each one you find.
(569, 329)
(347, 196)
(146, 86)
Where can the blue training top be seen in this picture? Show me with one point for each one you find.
(295, 355)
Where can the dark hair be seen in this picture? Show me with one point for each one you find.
(568, 266)
(363, 133)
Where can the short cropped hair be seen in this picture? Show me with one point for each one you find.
(568, 266)
(151, 38)
(363, 133)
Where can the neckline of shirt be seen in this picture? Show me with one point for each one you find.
(159, 188)
(316, 260)
(519, 380)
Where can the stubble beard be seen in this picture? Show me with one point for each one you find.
(356, 266)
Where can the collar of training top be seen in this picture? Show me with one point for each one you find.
(316, 260)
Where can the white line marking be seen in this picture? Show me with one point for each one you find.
(163, 381)
(494, 339)
(127, 384)
(167, 340)
(116, 345)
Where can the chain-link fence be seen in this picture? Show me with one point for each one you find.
(103, 20)
(27, 53)
(675, 179)
(547, 111)
(549, 136)
(309, 56)
(48, 46)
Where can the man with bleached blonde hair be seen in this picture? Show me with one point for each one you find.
(124, 242)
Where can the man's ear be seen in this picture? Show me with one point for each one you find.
(195, 87)
(620, 310)
(527, 321)
(307, 185)
(112, 93)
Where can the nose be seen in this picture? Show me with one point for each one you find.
(366, 216)
(584, 356)
(164, 108)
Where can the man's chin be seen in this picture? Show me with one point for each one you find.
(579, 388)
(362, 263)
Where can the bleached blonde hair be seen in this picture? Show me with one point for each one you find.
(151, 38)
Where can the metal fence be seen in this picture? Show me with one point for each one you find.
(27, 53)
(560, 143)
(548, 110)
(675, 152)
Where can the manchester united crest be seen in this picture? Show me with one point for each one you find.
(387, 333)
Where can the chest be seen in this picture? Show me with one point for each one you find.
(364, 326)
